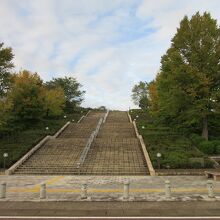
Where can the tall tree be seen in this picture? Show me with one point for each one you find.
(189, 82)
(153, 97)
(72, 91)
(140, 95)
(6, 65)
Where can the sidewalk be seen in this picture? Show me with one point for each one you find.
(108, 188)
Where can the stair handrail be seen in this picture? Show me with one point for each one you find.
(89, 143)
(106, 115)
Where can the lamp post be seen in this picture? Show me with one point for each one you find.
(47, 129)
(5, 155)
(158, 159)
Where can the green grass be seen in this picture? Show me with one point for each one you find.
(21, 142)
(176, 149)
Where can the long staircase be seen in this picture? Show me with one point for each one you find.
(114, 151)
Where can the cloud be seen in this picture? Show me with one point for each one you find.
(107, 45)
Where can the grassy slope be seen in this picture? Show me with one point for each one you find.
(176, 149)
(20, 143)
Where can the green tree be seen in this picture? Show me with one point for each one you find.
(27, 97)
(6, 65)
(72, 91)
(140, 95)
(189, 82)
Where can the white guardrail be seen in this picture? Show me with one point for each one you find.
(105, 117)
(88, 144)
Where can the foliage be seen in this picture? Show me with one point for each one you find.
(210, 147)
(73, 94)
(153, 98)
(6, 65)
(207, 147)
(5, 109)
(27, 97)
(54, 101)
(176, 148)
(186, 91)
(140, 95)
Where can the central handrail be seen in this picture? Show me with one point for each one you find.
(89, 143)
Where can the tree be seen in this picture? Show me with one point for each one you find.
(189, 81)
(27, 96)
(153, 97)
(6, 65)
(5, 110)
(140, 95)
(71, 88)
(54, 101)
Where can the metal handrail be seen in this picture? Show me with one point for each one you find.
(89, 143)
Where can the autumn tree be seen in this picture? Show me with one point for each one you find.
(140, 95)
(27, 96)
(54, 101)
(189, 82)
(6, 65)
(72, 91)
(153, 98)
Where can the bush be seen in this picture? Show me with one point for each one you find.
(217, 149)
(216, 144)
(196, 139)
(208, 163)
(176, 159)
(207, 147)
(196, 165)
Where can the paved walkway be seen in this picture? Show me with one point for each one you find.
(108, 188)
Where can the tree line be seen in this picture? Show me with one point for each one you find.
(186, 90)
(26, 99)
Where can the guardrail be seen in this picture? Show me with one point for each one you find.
(61, 130)
(88, 145)
(144, 149)
(106, 115)
(129, 117)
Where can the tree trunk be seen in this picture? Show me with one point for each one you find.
(47, 113)
(205, 133)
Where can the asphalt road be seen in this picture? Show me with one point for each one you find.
(110, 209)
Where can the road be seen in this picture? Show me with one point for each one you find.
(110, 209)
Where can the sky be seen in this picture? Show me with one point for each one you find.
(107, 45)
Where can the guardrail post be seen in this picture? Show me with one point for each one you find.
(210, 189)
(2, 190)
(84, 191)
(43, 191)
(167, 189)
(126, 189)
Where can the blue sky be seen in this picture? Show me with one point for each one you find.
(107, 45)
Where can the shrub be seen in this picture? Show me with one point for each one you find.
(176, 159)
(196, 139)
(207, 147)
